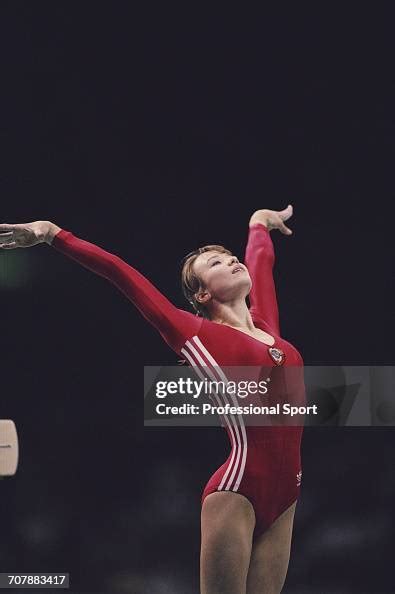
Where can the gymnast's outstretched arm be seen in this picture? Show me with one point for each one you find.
(259, 259)
(174, 324)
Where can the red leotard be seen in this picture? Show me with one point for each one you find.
(264, 462)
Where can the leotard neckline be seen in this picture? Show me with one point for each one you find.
(248, 335)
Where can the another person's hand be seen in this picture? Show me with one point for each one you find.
(22, 235)
(273, 219)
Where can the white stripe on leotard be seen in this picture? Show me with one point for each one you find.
(241, 446)
(194, 356)
(240, 418)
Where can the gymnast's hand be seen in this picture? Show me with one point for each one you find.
(273, 219)
(22, 235)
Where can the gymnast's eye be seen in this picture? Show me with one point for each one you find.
(215, 262)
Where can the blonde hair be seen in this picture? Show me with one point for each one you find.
(190, 282)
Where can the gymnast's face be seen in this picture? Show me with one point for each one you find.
(222, 277)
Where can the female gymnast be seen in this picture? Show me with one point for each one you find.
(248, 505)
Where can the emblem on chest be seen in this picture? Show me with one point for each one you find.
(277, 355)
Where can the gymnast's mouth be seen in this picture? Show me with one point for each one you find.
(237, 269)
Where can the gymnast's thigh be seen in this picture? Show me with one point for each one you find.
(227, 523)
(270, 555)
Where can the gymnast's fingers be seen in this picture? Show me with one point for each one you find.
(286, 213)
(284, 229)
(5, 236)
(8, 246)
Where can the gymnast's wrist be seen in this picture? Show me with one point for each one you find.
(48, 231)
(260, 216)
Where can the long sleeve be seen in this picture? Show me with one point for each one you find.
(259, 259)
(175, 325)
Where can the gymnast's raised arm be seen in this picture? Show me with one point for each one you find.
(174, 324)
(259, 259)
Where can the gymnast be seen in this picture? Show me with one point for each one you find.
(248, 504)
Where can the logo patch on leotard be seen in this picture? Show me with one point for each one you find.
(277, 355)
(299, 478)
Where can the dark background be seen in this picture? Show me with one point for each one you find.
(151, 135)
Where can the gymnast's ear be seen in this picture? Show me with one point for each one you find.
(203, 296)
